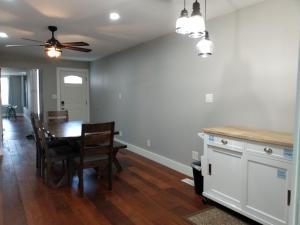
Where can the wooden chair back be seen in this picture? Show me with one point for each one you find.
(58, 116)
(41, 136)
(36, 124)
(32, 119)
(97, 138)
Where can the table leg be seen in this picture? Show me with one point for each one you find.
(116, 161)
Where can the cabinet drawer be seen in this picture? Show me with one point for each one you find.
(224, 142)
(273, 151)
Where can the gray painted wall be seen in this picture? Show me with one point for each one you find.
(163, 82)
(48, 69)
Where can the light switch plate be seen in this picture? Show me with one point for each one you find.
(120, 96)
(209, 98)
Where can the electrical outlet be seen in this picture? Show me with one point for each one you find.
(195, 155)
(148, 143)
(120, 133)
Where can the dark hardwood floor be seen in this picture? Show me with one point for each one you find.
(144, 193)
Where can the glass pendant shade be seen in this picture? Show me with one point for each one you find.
(53, 52)
(205, 46)
(196, 22)
(182, 26)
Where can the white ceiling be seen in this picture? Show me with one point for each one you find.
(88, 20)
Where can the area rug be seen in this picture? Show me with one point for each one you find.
(214, 216)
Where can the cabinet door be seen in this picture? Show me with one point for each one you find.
(225, 175)
(268, 193)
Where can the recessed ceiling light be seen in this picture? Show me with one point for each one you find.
(114, 16)
(3, 35)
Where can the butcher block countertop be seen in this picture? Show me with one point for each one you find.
(270, 137)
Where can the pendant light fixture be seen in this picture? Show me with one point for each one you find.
(195, 27)
(205, 45)
(182, 26)
(196, 22)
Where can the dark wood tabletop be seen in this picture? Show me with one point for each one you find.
(70, 129)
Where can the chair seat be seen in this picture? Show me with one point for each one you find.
(52, 143)
(92, 158)
(62, 152)
(118, 145)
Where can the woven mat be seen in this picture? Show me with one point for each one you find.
(215, 216)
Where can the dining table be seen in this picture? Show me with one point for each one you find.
(71, 130)
(66, 130)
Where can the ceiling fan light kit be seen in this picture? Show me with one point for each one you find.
(53, 52)
(53, 47)
(195, 27)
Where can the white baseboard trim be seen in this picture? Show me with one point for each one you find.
(179, 167)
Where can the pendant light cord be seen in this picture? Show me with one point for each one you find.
(184, 3)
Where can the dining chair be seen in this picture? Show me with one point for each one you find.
(52, 154)
(58, 116)
(96, 148)
(33, 118)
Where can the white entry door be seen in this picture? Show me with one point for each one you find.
(73, 93)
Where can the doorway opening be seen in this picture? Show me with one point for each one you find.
(20, 95)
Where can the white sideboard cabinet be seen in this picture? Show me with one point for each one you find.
(249, 171)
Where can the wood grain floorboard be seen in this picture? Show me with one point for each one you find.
(144, 193)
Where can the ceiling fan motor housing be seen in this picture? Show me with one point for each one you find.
(53, 42)
(52, 28)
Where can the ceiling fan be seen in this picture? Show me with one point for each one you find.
(53, 47)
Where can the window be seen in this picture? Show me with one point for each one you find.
(72, 79)
(4, 90)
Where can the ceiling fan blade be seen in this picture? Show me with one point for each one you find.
(9, 46)
(77, 49)
(80, 43)
(28, 39)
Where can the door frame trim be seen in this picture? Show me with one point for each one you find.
(58, 90)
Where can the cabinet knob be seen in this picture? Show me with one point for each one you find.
(268, 150)
(224, 142)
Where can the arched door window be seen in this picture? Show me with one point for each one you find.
(72, 79)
